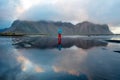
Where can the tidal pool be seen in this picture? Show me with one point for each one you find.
(39, 58)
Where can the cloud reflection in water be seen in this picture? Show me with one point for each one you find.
(42, 60)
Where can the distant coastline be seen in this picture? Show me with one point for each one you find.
(14, 34)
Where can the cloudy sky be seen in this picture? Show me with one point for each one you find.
(97, 11)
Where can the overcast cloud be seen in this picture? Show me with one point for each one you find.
(97, 11)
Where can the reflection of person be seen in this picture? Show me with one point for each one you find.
(59, 47)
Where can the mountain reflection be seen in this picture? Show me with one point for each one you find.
(51, 42)
(42, 61)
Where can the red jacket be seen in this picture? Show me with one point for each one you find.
(59, 38)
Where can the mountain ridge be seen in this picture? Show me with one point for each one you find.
(51, 27)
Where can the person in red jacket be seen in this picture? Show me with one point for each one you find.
(59, 38)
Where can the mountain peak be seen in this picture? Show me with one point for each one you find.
(51, 28)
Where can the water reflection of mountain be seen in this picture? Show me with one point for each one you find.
(51, 42)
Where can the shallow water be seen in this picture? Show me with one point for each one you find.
(39, 58)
